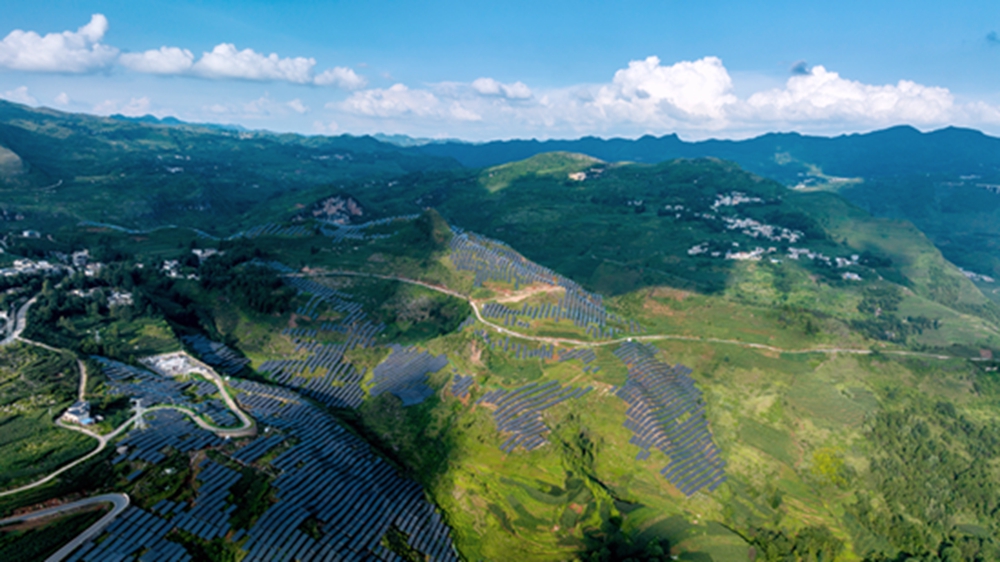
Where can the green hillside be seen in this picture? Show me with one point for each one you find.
(825, 451)
(618, 228)
(838, 403)
(57, 167)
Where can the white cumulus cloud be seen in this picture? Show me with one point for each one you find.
(695, 98)
(392, 102)
(261, 108)
(297, 106)
(165, 60)
(70, 51)
(400, 101)
(19, 95)
(225, 61)
(686, 90)
(135, 107)
(326, 128)
(341, 77)
(62, 99)
(821, 95)
(491, 87)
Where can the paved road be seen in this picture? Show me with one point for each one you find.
(119, 503)
(652, 337)
(20, 322)
(82, 391)
(247, 428)
(102, 442)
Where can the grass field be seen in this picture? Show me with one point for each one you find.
(36, 385)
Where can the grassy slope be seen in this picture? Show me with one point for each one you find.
(775, 416)
(778, 417)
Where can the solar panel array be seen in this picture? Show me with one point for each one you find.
(333, 476)
(519, 412)
(154, 388)
(165, 429)
(328, 475)
(584, 354)
(461, 385)
(133, 531)
(341, 232)
(492, 260)
(666, 411)
(216, 354)
(324, 374)
(404, 374)
(272, 229)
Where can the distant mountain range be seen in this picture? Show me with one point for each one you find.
(947, 182)
(787, 157)
(781, 156)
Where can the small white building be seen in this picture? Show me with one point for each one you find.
(79, 413)
(120, 298)
(80, 258)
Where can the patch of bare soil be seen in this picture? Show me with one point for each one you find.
(530, 291)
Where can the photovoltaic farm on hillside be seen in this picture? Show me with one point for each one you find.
(519, 412)
(666, 412)
(461, 385)
(494, 261)
(324, 474)
(154, 388)
(218, 355)
(517, 349)
(404, 374)
(340, 232)
(584, 354)
(167, 428)
(324, 374)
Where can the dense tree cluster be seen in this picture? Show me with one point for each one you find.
(812, 544)
(879, 305)
(932, 470)
(612, 544)
(251, 286)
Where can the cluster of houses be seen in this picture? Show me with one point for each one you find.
(793, 253)
(758, 229)
(733, 199)
(172, 269)
(77, 261)
(26, 266)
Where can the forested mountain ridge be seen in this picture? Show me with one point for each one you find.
(57, 167)
(944, 181)
(781, 156)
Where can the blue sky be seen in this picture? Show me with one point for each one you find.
(485, 70)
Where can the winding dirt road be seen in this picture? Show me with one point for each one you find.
(582, 343)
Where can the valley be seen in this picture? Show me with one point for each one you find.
(558, 358)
